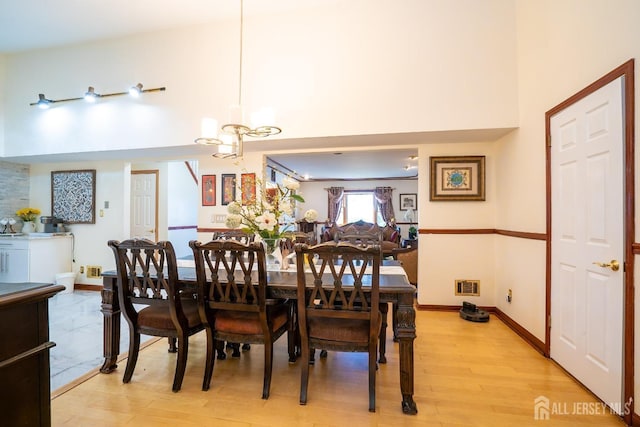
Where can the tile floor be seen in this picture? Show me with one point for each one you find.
(75, 325)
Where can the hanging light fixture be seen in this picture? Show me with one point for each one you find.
(229, 144)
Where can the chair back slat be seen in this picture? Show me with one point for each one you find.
(236, 273)
(145, 268)
(346, 276)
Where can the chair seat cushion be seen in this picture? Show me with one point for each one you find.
(333, 329)
(248, 323)
(159, 317)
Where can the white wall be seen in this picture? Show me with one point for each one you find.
(3, 79)
(370, 68)
(113, 185)
(182, 207)
(445, 258)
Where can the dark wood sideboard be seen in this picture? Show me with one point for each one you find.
(25, 397)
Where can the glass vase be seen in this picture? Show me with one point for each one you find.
(272, 253)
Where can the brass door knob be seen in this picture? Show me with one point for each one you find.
(613, 265)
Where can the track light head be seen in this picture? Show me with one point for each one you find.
(136, 90)
(90, 95)
(43, 102)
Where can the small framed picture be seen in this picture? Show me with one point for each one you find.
(457, 178)
(208, 190)
(408, 201)
(228, 186)
(248, 187)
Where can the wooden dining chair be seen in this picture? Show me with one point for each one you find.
(233, 304)
(338, 308)
(368, 239)
(152, 302)
(243, 237)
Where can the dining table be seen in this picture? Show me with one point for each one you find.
(394, 288)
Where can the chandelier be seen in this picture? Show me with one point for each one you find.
(229, 142)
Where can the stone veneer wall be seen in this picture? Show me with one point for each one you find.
(14, 188)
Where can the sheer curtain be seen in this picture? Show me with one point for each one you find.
(336, 198)
(385, 204)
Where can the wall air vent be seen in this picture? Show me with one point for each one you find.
(94, 271)
(467, 287)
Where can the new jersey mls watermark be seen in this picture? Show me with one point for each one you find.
(544, 409)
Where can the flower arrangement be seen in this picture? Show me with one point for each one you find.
(270, 214)
(28, 214)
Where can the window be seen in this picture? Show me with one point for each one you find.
(359, 205)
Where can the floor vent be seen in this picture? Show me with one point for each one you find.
(94, 271)
(467, 287)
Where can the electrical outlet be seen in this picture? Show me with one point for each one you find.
(82, 269)
(509, 296)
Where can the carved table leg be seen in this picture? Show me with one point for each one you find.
(111, 331)
(406, 317)
(384, 310)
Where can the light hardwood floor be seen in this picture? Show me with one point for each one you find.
(466, 374)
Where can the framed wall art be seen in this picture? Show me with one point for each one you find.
(248, 187)
(408, 201)
(228, 187)
(457, 178)
(208, 190)
(73, 196)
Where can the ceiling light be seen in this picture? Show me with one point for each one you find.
(90, 95)
(136, 90)
(43, 102)
(261, 121)
(413, 157)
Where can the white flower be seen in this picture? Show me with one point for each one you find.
(266, 221)
(234, 208)
(286, 207)
(233, 221)
(311, 215)
(290, 184)
(266, 206)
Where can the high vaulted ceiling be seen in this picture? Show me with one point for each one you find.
(40, 24)
(36, 24)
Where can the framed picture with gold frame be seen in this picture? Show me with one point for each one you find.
(457, 178)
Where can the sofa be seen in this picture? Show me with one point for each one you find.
(390, 235)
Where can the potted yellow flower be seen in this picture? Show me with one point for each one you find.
(28, 217)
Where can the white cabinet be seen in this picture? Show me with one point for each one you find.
(14, 261)
(35, 259)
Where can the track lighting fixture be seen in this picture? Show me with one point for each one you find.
(91, 96)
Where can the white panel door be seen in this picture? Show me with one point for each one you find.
(587, 147)
(144, 205)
